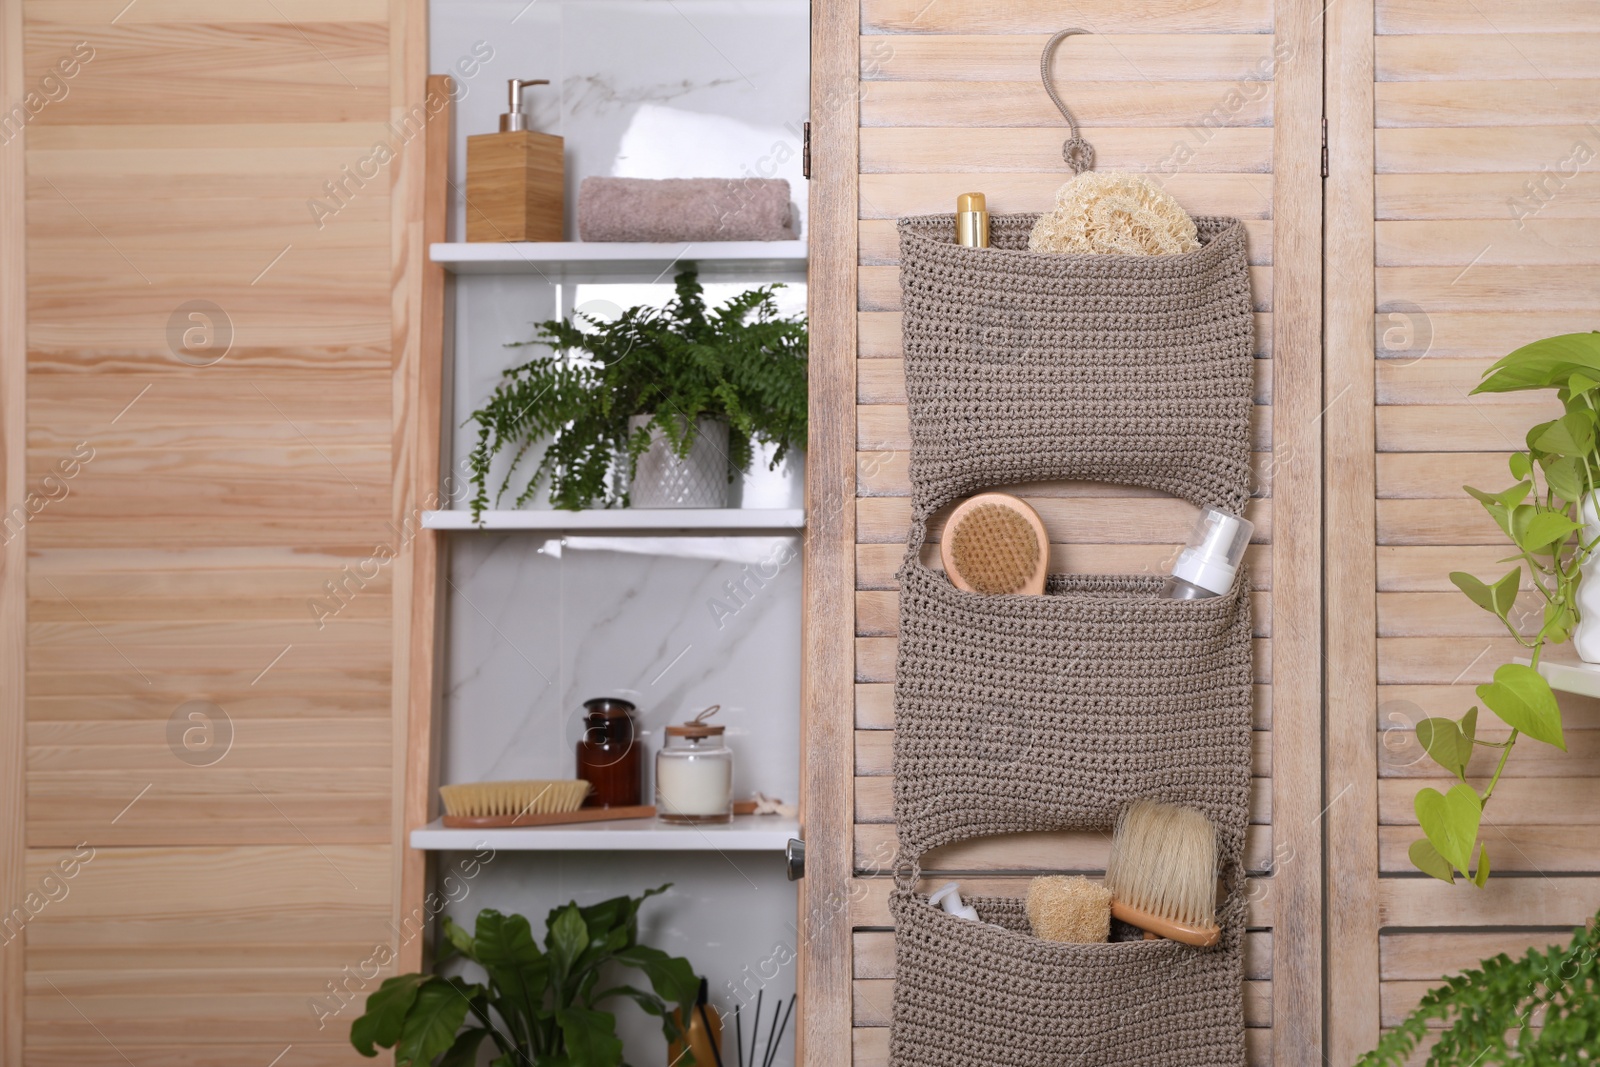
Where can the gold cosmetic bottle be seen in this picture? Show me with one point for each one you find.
(972, 221)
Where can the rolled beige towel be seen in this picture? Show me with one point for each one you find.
(684, 209)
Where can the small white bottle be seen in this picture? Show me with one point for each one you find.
(1208, 563)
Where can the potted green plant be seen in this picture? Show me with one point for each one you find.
(536, 1007)
(649, 395)
(1541, 1009)
(1543, 516)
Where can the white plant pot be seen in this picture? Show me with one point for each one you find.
(662, 479)
(1586, 637)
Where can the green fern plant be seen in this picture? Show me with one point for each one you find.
(1493, 1009)
(742, 363)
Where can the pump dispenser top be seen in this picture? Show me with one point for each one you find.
(514, 120)
(1207, 564)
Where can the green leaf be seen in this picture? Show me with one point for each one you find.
(1498, 599)
(1469, 723)
(672, 977)
(590, 1036)
(464, 1053)
(1521, 466)
(568, 937)
(1544, 364)
(1481, 875)
(1570, 435)
(506, 949)
(386, 1012)
(1450, 820)
(1564, 476)
(1580, 383)
(459, 937)
(1426, 858)
(1522, 698)
(1443, 740)
(1542, 529)
(431, 1025)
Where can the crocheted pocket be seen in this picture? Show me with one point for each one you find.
(967, 994)
(1025, 366)
(1017, 713)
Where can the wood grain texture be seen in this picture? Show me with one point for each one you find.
(13, 537)
(234, 535)
(1349, 777)
(827, 650)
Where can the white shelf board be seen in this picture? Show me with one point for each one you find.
(715, 522)
(619, 261)
(746, 833)
(1565, 671)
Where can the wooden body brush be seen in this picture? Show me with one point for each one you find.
(1163, 872)
(995, 543)
(489, 805)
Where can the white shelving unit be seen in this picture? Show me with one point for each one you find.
(1566, 672)
(746, 833)
(579, 262)
(703, 522)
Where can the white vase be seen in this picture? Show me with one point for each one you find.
(663, 479)
(1586, 636)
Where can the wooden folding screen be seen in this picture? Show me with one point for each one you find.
(912, 103)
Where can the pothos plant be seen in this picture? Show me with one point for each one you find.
(1541, 1009)
(741, 363)
(536, 1007)
(1542, 514)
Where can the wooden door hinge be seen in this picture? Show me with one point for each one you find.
(805, 151)
(1324, 146)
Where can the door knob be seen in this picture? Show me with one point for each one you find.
(794, 859)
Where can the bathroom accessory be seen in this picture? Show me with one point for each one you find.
(480, 800)
(948, 897)
(1073, 910)
(685, 209)
(609, 754)
(702, 1030)
(664, 479)
(1207, 565)
(775, 1032)
(516, 178)
(694, 773)
(502, 822)
(1163, 872)
(995, 543)
(1105, 213)
(972, 220)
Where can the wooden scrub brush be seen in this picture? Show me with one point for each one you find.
(995, 543)
(527, 803)
(1163, 872)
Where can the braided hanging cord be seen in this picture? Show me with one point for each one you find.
(1078, 153)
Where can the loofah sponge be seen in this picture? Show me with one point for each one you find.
(1069, 909)
(1122, 213)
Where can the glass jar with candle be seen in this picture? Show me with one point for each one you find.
(694, 773)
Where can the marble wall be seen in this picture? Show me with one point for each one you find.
(643, 88)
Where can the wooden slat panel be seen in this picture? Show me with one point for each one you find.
(1543, 101)
(1524, 16)
(1096, 57)
(887, 196)
(1042, 16)
(992, 103)
(1455, 57)
(981, 150)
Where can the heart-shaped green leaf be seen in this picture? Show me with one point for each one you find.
(1522, 698)
(1542, 529)
(1543, 364)
(1481, 875)
(1443, 740)
(1579, 384)
(1564, 476)
(1451, 822)
(1426, 858)
(1469, 723)
(1521, 466)
(1570, 435)
(1497, 599)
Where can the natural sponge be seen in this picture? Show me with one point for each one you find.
(1120, 213)
(1069, 909)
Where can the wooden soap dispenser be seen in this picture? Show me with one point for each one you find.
(515, 178)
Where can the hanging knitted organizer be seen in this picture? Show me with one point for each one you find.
(1053, 712)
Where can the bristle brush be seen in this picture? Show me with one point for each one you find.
(1163, 872)
(995, 543)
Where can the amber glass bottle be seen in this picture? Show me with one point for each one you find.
(609, 755)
